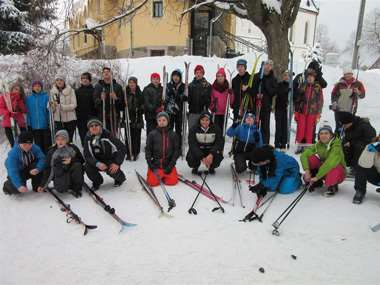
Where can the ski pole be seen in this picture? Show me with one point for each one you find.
(192, 210)
(213, 195)
(171, 201)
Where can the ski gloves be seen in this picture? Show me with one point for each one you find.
(375, 147)
(259, 189)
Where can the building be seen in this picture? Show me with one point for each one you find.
(156, 29)
(301, 35)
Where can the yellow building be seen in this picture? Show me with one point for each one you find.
(155, 29)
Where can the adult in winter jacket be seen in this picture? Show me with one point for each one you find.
(152, 102)
(241, 90)
(12, 109)
(25, 161)
(263, 91)
(220, 96)
(135, 105)
(278, 171)
(161, 153)
(248, 137)
(38, 116)
(64, 166)
(324, 161)
(345, 95)
(175, 96)
(206, 145)
(103, 153)
(108, 91)
(368, 170)
(356, 134)
(199, 95)
(309, 109)
(281, 112)
(63, 102)
(85, 104)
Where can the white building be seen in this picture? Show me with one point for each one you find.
(301, 35)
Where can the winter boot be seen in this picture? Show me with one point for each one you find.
(95, 187)
(358, 198)
(195, 171)
(118, 183)
(315, 185)
(331, 190)
(211, 171)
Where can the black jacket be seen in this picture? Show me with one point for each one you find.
(282, 96)
(175, 96)
(360, 133)
(135, 108)
(237, 83)
(152, 100)
(85, 103)
(199, 96)
(268, 89)
(104, 148)
(100, 87)
(202, 142)
(162, 148)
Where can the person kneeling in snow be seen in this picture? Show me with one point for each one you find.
(248, 137)
(278, 171)
(368, 170)
(103, 153)
(25, 161)
(161, 153)
(324, 161)
(64, 166)
(205, 145)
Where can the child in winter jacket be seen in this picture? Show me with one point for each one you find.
(221, 95)
(38, 116)
(12, 108)
(152, 101)
(324, 161)
(248, 137)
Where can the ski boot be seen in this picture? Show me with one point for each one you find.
(358, 198)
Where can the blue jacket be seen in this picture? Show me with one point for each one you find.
(246, 134)
(14, 165)
(286, 166)
(38, 114)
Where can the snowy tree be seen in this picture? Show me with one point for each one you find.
(272, 17)
(19, 23)
(325, 41)
(371, 31)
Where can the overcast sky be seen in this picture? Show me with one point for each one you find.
(341, 17)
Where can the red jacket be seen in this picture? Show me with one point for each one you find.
(219, 99)
(17, 112)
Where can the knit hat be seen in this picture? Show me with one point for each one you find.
(261, 154)
(200, 68)
(347, 70)
(314, 65)
(326, 128)
(268, 61)
(94, 121)
(25, 137)
(155, 75)
(221, 71)
(132, 78)
(62, 133)
(60, 76)
(242, 62)
(163, 114)
(205, 114)
(37, 82)
(178, 73)
(345, 117)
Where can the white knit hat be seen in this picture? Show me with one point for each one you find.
(347, 70)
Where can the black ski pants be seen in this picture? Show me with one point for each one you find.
(94, 174)
(281, 135)
(10, 135)
(219, 121)
(9, 188)
(265, 124)
(68, 126)
(194, 162)
(176, 125)
(364, 175)
(82, 129)
(136, 142)
(42, 139)
(151, 124)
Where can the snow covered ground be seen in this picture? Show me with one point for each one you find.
(330, 237)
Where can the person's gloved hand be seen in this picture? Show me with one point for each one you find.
(259, 189)
(374, 147)
(167, 169)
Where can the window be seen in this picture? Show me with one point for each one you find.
(157, 52)
(306, 33)
(158, 9)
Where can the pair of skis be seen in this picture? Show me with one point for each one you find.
(184, 111)
(236, 186)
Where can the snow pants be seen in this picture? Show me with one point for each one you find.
(194, 162)
(193, 119)
(71, 178)
(9, 188)
(305, 128)
(168, 179)
(10, 136)
(265, 124)
(281, 135)
(364, 175)
(290, 184)
(42, 139)
(334, 177)
(136, 142)
(176, 124)
(219, 121)
(94, 174)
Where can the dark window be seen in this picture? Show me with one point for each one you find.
(158, 9)
(157, 52)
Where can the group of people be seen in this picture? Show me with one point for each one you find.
(96, 110)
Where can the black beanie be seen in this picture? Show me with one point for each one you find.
(205, 114)
(345, 117)
(261, 154)
(25, 137)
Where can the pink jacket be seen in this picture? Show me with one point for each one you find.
(219, 100)
(17, 112)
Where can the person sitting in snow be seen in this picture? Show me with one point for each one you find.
(277, 170)
(161, 153)
(25, 161)
(324, 161)
(368, 170)
(64, 166)
(356, 133)
(248, 137)
(103, 153)
(206, 145)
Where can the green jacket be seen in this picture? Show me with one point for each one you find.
(331, 155)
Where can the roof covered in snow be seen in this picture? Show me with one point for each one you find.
(310, 5)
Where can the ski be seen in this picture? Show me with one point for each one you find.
(184, 111)
(236, 187)
(149, 191)
(195, 186)
(71, 216)
(100, 201)
(128, 128)
(259, 96)
(375, 228)
(290, 98)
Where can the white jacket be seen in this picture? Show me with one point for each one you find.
(65, 110)
(369, 159)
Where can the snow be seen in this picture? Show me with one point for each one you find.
(274, 5)
(330, 236)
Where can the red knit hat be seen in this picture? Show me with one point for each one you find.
(221, 71)
(155, 75)
(199, 67)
